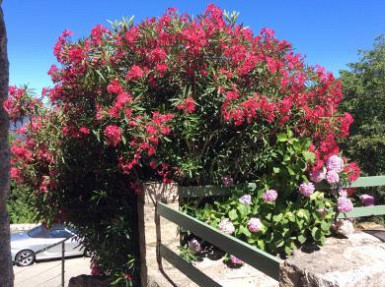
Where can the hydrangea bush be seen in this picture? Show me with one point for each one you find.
(286, 207)
(196, 101)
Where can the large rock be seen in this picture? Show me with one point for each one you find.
(89, 281)
(353, 262)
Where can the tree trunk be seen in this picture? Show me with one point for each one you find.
(6, 267)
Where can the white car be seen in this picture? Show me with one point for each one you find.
(42, 243)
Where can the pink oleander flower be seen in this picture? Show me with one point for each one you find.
(134, 73)
(227, 180)
(319, 176)
(235, 260)
(254, 224)
(344, 204)
(332, 177)
(195, 246)
(367, 199)
(84, 130)
(14, 172)
(188, 106)
(226, 226)
(270, 195)
(128, 277)
(306, 189)
(113, 135)
(245, 199)
(335, 163)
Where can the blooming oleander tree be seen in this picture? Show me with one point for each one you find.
(191, 100)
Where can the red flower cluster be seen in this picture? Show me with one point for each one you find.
(134, 73)
(353, 171)
(146, 145)
(20, 104)
(113, 135)
(188, 105)
(31, 156)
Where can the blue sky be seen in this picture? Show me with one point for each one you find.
(328, 32)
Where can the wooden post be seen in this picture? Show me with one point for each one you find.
(148, 222)
(158, 237)
(142, 239)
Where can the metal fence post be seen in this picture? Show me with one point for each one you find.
(62, 263)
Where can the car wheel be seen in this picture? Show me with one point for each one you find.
(25, 258)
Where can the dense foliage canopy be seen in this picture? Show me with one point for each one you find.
(192, 100)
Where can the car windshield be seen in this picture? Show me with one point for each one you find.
(56, 231)
(39, 231)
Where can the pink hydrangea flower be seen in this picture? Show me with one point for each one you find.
(344, 204)
(226, 226)
(270, 195)
(245, 199)
(319, 176)
(306, 189)
(342, 192)
(332, 177)
(254, 224)
(367, 199)
(335, 163)
(235, 260)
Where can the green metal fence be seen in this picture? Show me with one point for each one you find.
(265, 262)
(364, 182)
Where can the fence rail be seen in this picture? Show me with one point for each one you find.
(255, 257)
(186, 268)
(218, 190)
(364, 211)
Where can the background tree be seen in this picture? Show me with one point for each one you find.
(364, 91)
(6, 269)
(20, 205)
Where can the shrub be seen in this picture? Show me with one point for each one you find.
(276, 212)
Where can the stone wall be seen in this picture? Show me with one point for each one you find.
(342, 262)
